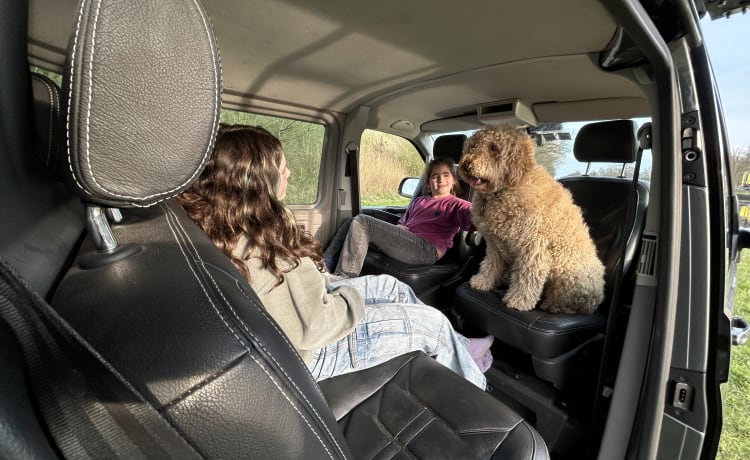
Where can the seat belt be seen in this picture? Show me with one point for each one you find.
(644, 137)
(90, 410)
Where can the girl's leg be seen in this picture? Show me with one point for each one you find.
(390, 330)
(393, 240)
(331, 254)
(380, 289)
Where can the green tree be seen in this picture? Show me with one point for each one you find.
(550, 154)
(740, 163)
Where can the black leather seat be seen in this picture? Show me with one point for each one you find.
(170, 313)
(550, 338)
(426, 280)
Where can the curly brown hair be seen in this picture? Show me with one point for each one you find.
(236, 194)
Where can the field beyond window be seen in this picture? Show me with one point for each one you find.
(303, 146)
(384, 161)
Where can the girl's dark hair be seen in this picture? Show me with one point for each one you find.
(236, 194)
(455, 190)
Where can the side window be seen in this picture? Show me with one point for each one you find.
(384, 161)
(303, 146)
(54, 76)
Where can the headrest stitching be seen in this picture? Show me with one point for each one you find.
(90, 89)
(165, 194)
(70, 100)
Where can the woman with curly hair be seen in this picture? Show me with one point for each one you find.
(336, 327)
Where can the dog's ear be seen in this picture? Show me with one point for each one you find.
(521, 160)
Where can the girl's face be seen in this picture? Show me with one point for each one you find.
(441, 181)
(285, 173)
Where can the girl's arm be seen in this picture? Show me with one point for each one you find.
(462, 213)
(309, 315)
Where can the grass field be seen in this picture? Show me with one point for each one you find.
(386, 159)
(735, 437)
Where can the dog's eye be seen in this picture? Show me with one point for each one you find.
(493, 147)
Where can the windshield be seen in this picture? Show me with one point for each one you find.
(554, 151)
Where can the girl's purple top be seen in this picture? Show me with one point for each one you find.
(438, 219)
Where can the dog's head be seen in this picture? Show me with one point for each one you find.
(496, 158)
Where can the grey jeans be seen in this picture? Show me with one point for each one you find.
(394, 241)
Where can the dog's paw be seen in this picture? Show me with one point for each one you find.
(481, 283)
(518, 302)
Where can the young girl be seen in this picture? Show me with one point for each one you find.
(338, 328)
(425, 232)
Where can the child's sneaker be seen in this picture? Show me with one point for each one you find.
(478, 347)
(484, 362)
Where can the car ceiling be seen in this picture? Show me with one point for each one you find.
(406, 61)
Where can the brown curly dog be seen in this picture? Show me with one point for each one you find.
(537, 240)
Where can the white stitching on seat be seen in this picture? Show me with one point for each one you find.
(217, 87)
(262, 311)
(70, 98)
(226, 323)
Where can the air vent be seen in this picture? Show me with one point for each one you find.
(503, 108)
(647, 260)
(512, 112)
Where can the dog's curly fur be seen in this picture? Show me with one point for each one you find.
(537, 240)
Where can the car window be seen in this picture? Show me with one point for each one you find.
(54, 76)
(384, 161)
(554, 151)
(303, 146)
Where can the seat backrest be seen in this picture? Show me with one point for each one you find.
(605, 201)
(41, 222)
(162, 304)
(29, 183)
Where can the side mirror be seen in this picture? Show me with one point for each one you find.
(740, 330)
(743, 238)
(408, 186)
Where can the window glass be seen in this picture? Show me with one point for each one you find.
(303, 146)
(556, 153)
(54, 76)
(384, 161)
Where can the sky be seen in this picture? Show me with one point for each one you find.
(727, 43)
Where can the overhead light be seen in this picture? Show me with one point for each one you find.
(403, 125)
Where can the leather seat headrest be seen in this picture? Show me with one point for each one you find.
(141, 118)
(449, 146)
(606, 142)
